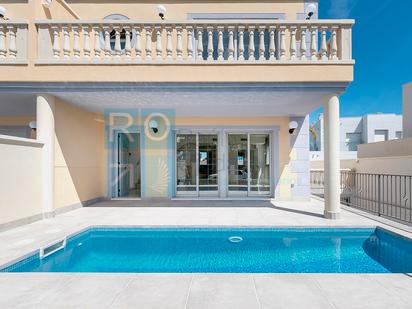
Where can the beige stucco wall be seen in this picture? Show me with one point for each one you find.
(20, 176)
(390, 157)
(344, 165)
(80, 155)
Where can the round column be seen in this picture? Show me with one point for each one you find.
(332, 158)
(46, 134)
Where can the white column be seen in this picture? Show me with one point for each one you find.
(45, 134)
(332, 160)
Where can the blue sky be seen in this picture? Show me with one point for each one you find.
(382, 48)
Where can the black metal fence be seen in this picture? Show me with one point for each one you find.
(384, 195)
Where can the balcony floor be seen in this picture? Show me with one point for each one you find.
(194, 290)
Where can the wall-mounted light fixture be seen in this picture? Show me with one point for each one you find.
(47, 3)
(3, 12)
(154, 126)
(311, 10)
(293, 125)
(161, 10)
(33, 125)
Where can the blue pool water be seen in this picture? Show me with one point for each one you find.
(143, 250)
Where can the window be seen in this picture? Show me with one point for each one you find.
(353, 140)
(381, 135)
(116, 17)
(398, 135)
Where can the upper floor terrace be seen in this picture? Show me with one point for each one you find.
(269, 41)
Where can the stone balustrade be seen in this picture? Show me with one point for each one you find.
(13, 42)
(204, 42)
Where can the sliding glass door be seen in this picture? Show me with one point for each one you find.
(248, 164)
(197, 164)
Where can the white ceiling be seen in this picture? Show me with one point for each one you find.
(186, 100)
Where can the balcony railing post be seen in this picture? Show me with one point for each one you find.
(107, 47)
(379, 196)
(231, 44)
(199, 48)
(56, 41)
(303, 44)
(159, 48)
(76, 41)
(179, 43)
(334, 44)
(148, 49)
(220, 47)
(210, 43)
(272, 45)
(190, 37)
(97, 46)
(66, 41)
(262, 48)
(241, 43)
(251, 43)
(12, 41)
(313, 43)
(86, 41)
(128, 43)
(323, 44)
(293, 48)
(138, 43)
(282, 47)
(3, 49)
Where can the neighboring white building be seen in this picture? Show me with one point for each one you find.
(354, 131)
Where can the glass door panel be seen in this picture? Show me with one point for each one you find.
(186, 178)
(259, 164)
(208, 164)
(238, 164)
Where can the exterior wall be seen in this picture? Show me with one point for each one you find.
(349, 125)
(80, 156)
(146, 10)
(390, 122)
(291, 174)
(407, 110)
(20, 178)
(391, 157)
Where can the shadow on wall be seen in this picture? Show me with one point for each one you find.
(80, 155)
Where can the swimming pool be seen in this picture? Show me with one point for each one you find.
(226, 250)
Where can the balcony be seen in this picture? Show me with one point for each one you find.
(302, 51)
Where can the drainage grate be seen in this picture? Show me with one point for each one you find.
(52, 248)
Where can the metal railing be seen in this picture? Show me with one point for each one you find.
(381, 194)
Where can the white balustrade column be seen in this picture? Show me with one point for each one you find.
(3, 49)
(199, 43)
(56, 41)
(323, 44)
(46, 134)
(332, 159)
(138, 44)
(76, 41)
(293, 42)
(117, 45)
(107, 47)
(334, 43)
(262, 48)
(210, 43)
(86, 41)
(282, 47)
(241, 43)
(251, 43)
(313, 43)
(303, 47)
(231, 44)
(272, 45)
(169, 43)
(66, 42)
(148, 49)
(179, 42)
(128, 43)
(12, 41)
(220, 47)
(159, 48)
(190, 49)
(97, 45)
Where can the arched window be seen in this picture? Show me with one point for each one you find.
(116, 17)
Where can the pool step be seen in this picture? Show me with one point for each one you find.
(52, 247)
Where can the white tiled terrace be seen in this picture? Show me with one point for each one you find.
(84, 290)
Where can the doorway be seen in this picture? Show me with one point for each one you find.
(197, 164)
(249, 164)
(128, 175)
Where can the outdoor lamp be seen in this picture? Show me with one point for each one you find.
(311, 9)
(161, 10)
(293, 125)
(154, 126)
(2, 12)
